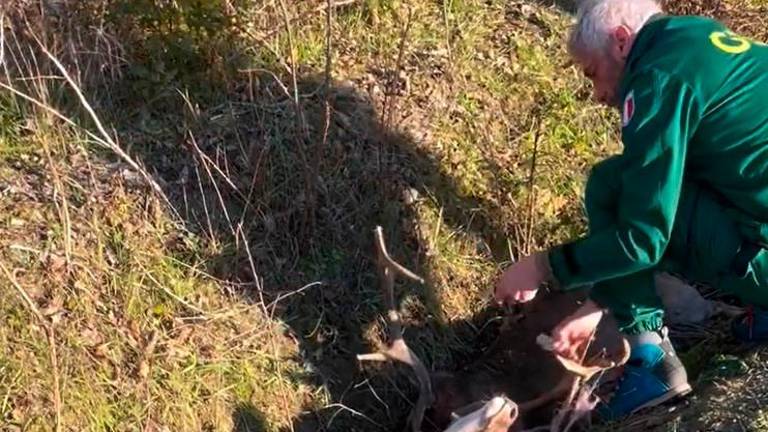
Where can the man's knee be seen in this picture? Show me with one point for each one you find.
(705, 238)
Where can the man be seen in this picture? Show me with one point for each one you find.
(688, 194)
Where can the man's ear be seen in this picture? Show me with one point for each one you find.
(621, 38)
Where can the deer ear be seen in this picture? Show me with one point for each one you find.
(494, 407)
(504, 418)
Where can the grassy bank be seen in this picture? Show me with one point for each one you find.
(235, 293)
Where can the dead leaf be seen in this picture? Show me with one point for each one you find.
(101, 351)
(183, 334)
(91, 337)
(150, 347)
(54, 310)
(134, 331)
(207, 351)
(143, 369)
(146, 355)
(58, 317)
(55, 263)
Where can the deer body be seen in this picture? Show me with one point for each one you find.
(517, 367)
(516, 382)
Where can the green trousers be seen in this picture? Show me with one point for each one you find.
(705, 244)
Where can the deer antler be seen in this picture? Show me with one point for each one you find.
(398, 350)
(581, 400)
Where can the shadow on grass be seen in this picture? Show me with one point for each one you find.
(246, 418)
(315, 199)
(302, 194)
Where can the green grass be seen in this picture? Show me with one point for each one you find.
(124, 285)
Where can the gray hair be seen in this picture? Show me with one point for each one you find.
(597, 18)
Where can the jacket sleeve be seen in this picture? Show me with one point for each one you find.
(660, 114)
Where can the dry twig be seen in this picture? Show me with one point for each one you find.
(531, 189)
(102, 137)
(106, 138)
(388, 110)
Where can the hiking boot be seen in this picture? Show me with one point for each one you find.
(752, 327)
(653, 375)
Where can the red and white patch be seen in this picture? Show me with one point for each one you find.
(629, 109)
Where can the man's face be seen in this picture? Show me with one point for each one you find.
(605, 73)
(605, 67)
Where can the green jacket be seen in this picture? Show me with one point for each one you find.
(695, 107)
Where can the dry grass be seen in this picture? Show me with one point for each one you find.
(237, 295)
(144, 340)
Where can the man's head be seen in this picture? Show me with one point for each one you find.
(602, 38)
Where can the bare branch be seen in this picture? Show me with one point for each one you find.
(531, 189)
(387, 113)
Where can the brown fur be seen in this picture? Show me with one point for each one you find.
(517, 367)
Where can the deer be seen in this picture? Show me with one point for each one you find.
(557, 392)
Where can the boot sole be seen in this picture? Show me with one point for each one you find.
(678, 391)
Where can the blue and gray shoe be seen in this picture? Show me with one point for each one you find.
(752, 327)
(653, 375)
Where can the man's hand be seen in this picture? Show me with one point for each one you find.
(573, 334)
(521, 280)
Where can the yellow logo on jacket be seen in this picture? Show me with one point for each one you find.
(730, 42)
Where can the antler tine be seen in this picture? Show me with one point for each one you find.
(398, 350)
(390, 263)
(580, 400)
(388, 271)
